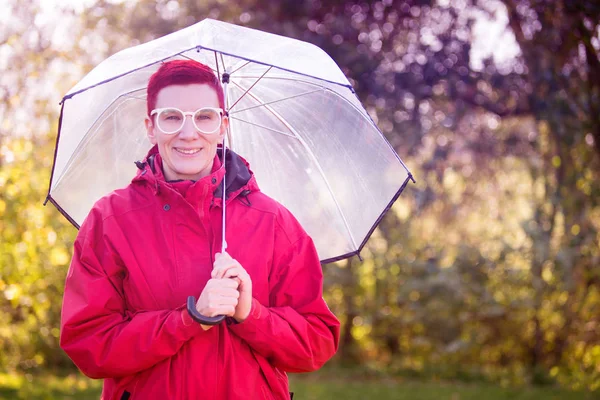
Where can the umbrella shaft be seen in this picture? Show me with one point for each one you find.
(223, 222)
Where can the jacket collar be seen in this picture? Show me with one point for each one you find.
(237, 173)
(238, 176)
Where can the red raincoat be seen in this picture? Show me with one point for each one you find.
(145, 248)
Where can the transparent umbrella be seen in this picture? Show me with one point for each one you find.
(293, 115)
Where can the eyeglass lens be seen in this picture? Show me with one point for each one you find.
(206, 120)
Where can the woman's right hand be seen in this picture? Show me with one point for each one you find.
(219, 297)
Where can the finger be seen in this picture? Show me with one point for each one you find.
(225, 255)
(235, 271)
(218, 305)
(224, 261)
(215, 304)
(226, 301)
(220, 302)
(220, 285)
(224, 292)
(228, 310)
(221, 266)
(237, 281)
(218, 265)
(215, 284)
(236, 275)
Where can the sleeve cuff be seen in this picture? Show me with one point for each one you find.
(255, 310)
(185, 317)
(251, 323)
(188, 326)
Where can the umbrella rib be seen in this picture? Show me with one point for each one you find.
(314, 159)
(264, 127)
(249, 89)
(223, 62)
(237, 69)
(217, 66)
(130, 95)
(274, 101)
(282, 78)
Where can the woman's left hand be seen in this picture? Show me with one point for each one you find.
(225, 267)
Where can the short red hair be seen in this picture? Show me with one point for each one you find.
(182, 72)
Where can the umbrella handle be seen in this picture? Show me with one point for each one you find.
(196, 316)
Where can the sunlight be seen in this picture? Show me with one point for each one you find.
(493, 38)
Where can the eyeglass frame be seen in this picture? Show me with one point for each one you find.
(221, 112)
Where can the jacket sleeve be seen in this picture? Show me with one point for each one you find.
(297, 332)
(97, 332)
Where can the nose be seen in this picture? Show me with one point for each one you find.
(188, 131)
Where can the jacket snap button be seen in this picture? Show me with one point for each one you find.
(214, 180)
(166, 207)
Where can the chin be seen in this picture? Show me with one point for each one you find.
(190, 173)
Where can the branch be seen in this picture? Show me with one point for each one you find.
(514, 20)
(494, 107)
(594, 81)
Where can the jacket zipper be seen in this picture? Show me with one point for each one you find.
(208, 227)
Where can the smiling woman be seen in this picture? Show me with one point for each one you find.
(187, 153)
(157, 240)
(268, 284)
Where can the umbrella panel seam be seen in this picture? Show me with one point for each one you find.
(181, 53)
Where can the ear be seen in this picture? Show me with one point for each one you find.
(224, 127)
(150, 130)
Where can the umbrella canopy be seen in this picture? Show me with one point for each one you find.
(293, 116)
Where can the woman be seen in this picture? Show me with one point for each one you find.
(145, 248)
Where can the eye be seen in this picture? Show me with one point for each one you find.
(205, 115)
(171, 115)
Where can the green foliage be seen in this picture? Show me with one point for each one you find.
(48, 387)
(35, 247)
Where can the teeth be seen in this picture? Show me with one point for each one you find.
(192, 151)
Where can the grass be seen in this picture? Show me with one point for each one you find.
(46, 386)
(329, 385)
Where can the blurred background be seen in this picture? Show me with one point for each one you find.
(485, 274)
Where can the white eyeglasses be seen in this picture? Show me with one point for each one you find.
(170, 120)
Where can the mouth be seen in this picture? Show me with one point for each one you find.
(187, 152)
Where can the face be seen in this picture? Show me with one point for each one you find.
(187, 154)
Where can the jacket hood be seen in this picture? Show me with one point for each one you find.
(237, 174)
